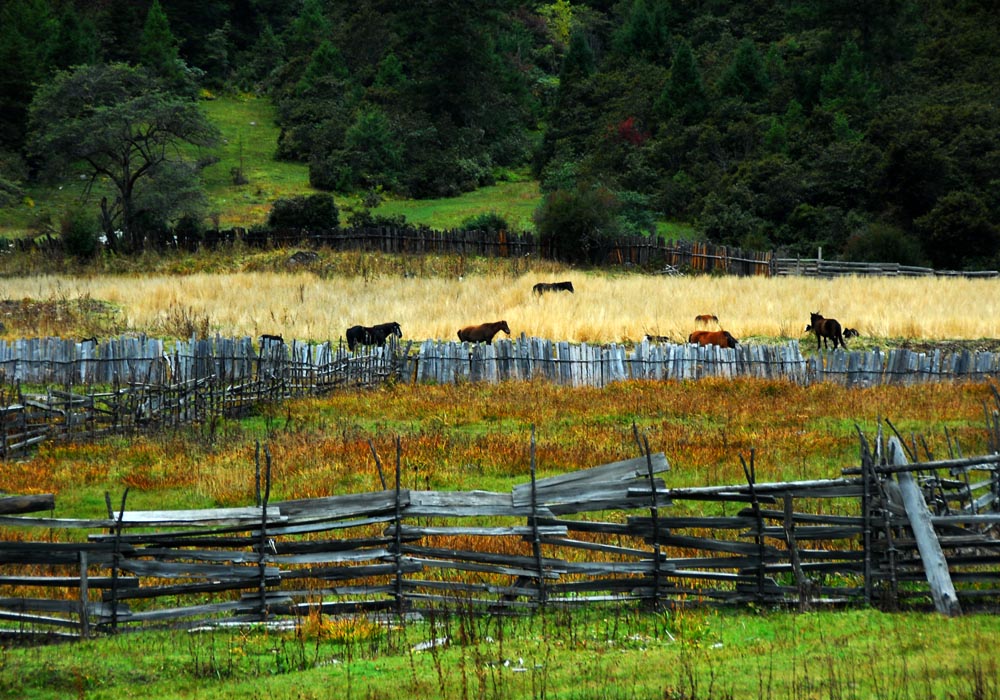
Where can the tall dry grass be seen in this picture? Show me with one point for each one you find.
(605, 307)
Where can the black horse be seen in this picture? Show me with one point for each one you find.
(826, 328)
(372, 335)
(543, 287)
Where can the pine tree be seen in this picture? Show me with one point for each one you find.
(158, 48)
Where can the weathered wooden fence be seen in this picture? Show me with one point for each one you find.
(598, 365)
(53, 389)
(886, 533)
(818, 267)
(639, 250)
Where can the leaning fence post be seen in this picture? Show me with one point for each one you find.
(115, 555)
(654, 515)
(935, 564)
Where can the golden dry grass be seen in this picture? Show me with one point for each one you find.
(606, 306)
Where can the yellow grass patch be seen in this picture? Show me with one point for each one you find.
(605, 307)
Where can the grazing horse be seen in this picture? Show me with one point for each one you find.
(483, 333)
(850, 333)
(721, 338)
(372, 335)
(705, 319)
(543, 287)
(825, 328)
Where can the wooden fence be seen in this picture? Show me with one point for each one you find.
(598, 365)
(54, 389)
(818, 267)
(640, 250)
(886, 533)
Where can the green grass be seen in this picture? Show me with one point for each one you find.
(249, 138)
(515, 201)
(610, 653)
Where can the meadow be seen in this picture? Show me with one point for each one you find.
(433, 297)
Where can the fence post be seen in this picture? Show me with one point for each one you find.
(84, 597)
(751, 476)
(536, 542)
(654, 514)
(264, 544)
(398, 544)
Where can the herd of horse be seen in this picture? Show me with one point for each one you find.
(823, 328)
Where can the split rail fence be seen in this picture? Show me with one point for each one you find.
(886, 533)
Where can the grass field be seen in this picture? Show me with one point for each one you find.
(433, 297)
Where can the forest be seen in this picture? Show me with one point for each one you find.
(868, 128)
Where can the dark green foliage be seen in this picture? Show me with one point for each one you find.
(119, 124)
(576, 224)
(316, 211)
(79, 231)
(880, 243)
(958, 231)
(795, 125)
(487, 221)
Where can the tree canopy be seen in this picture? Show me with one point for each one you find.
(114, 121)
(786, 125)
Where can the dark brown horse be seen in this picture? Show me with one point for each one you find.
(723, 339)
(543, 287)
(372, 335)
(483, 333)
(705, 319)
(850, 333)
(825, 328)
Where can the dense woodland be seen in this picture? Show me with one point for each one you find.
(867, 127)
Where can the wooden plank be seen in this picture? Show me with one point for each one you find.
(564, 485)
(935, 564)
(445, 504)
(11, 505)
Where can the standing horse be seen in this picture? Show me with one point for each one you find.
(826, 328)
(372, 335)
(723, 339)
(483, 333)
(543, 287)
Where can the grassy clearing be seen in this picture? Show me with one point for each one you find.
(597, 654)
(433, 297)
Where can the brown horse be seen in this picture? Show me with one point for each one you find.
(705, 319)
(826, 328)
(483, 333)
(721, 338)
(543, 287)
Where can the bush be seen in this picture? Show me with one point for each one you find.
(315, 211)
(880, 243)
(576, 224)
(80, 231)
(487, 221)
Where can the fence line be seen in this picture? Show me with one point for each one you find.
(543, 544)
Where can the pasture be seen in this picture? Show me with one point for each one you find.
(433, 299)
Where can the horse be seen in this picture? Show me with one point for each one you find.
(705, 319)
(825, 328)
(850, 333)
(483, 333)
(723, 339)
(542, 287)
(372, 335)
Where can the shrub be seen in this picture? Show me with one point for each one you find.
(80, 231)
(487, 221)
(315, 211)
(576, 224)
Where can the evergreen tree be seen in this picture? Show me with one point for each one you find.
(158, 48)
(683, 96)
(846, 86)
(745, 77)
